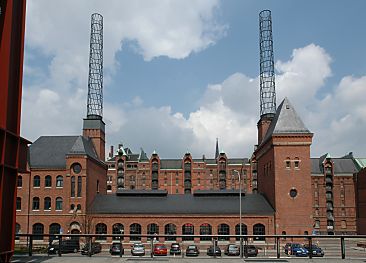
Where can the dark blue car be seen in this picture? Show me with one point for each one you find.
(296, 249)
(317, 251)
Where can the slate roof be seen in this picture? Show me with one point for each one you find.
(171, 164)
(286, 120)
(252, 204)
(51, 151)
(341, 166)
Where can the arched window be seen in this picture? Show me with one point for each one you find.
(135, 229)
(79, 186)
(54, 229)
(72, 186)
(17, 230)
(259, 229)
(244, 230)
(72, 207)
(58, 203)
(19, 203)
(101, 229)
(117, 229)
(223, 229)
(78, 207)
(109, 187)
(35, 203)
(188, 229)
(284, 233)
(38, 231)
(205, 229)
(170, 229)
(47, 203)
(152, 229)
(59, 181)
(36, 181)
(20, 181)
(48, 181)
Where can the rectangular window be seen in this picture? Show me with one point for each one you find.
(73, 186)
(296, 163)
(288, 164)
(79, 186)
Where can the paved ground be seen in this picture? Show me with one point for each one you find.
(102, 259)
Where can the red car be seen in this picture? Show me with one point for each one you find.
(160, 250)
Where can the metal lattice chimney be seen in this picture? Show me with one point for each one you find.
(267, 76)
(95, 81)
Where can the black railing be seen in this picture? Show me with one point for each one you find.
(269, 245)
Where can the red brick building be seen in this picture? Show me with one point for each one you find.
(360, 181)
(71, 189)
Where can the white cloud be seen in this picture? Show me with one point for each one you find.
(303, 75)
(228, 110)
(58, 31)
(339, 118)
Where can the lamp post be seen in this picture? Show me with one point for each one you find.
(240, 225)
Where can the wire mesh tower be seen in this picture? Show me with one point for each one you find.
(95, 81)
(267, 76)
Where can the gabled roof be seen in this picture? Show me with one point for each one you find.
(51, 151)
(286, 120)
(252, 204)
(143, 156)
(341, 166)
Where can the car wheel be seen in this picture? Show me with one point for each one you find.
(75, 250)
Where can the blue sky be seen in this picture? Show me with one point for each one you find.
(178, 74)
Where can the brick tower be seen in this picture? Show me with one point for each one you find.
(284, 170)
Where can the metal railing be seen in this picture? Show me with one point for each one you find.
(266, 245)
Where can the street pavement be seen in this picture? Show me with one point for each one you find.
(115, 259)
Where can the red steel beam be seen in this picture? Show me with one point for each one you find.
(12, 146)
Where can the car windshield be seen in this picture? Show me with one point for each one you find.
(175, 245)
(160, 246)
(191, 247)
(138, 246)
(296, 245)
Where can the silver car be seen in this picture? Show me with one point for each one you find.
(138, 249)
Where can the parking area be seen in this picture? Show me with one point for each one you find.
(113, 259)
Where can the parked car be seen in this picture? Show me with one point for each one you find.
(138, 249)
(317, 251)
(214, 251)
(250, 251)
(296, 249)
(175, 249)
(94, 249)
(232, 250)
(116, 249)
(160, 250)
(192, 250)
(67, 246)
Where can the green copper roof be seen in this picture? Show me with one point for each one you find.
(360, 163)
